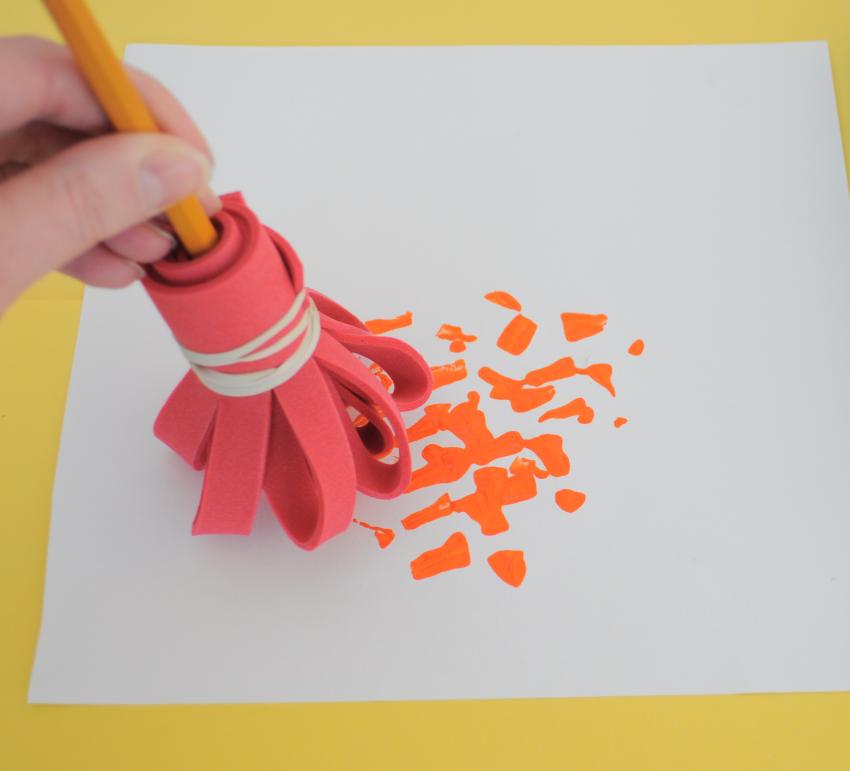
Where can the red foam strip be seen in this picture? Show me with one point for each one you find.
(236, 467)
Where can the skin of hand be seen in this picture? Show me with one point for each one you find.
(74, 196)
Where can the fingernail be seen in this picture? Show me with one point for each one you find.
(168, 240)
(137, 269)
(166, 176)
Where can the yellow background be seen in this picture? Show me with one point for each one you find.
(36, 347)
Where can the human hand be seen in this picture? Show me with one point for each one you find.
(74, 196)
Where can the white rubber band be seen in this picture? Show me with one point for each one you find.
(253, 383)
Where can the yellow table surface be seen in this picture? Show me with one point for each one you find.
(798, 731)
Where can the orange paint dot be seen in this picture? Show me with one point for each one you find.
(504, 299)
(576, 408)
(509, 565)
(453, 554)
(384, 535)
(522, 399)
(456, 336)
(517, 335)
(379, 326)
(570, 500)
(448, 373)
(578, 326)
(442, 507)
(618, 422)
(636, 348)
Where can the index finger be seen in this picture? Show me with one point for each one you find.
(42, 83)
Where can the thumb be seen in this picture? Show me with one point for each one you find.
(88, 193)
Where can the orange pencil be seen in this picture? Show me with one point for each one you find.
(124, 106)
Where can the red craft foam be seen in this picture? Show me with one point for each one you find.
(297, 442)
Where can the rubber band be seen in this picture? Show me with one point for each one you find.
(252, 383)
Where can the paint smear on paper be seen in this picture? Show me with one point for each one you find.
(380, 326)
(620, 422)
(448, 373)
(517, 335)
(452, 555)
(570, 500)
(636, 348)
(535, 388)
(456, 336)
(467, 422)
(577, 408)
(383, 535)
(578, 326)
(509, 565)
(504, 299)
(565, 368)
(521, 398)
(495, 488)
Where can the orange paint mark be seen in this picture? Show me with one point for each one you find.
(636, 348)
(480, 447)
(618, 422)
(453, 554)
(578, 326)
(379, 372)
(384, 535)
(504, 299)
(522, 399)
(379, 326)
(456, 336)
(442, 507)
(495, 488)
(566, 368)
(448, 373)
(576, 408)
(570, 500)
(509, 565)
(517, 335)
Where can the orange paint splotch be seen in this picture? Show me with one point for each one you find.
(452, 555)
(448, 373)
(578, 408)
(566, 367)
(637, 347)
(522, 465)
(505, 300)
(467, 422)
(578, 326)
(379, 372)
(509, 565)
(517, 335)
(495, 488)
(521, 398)
(456, 336)
(380, 326)
(440, 508)
(430, 423)
(384, 535)
(570, 500)
(550, 449)
(484, 506)
(602, 374)
(620, 422)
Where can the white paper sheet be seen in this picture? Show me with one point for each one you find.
(696, 195)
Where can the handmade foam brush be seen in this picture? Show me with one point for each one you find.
(278, 375)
